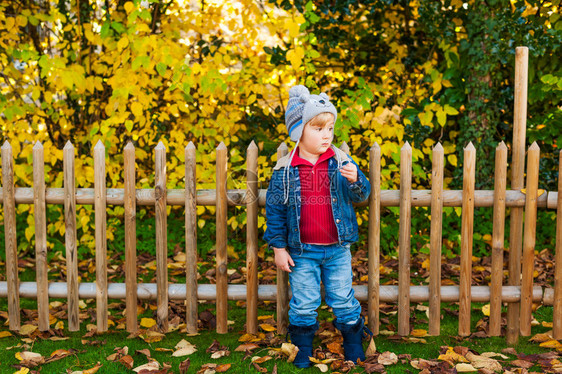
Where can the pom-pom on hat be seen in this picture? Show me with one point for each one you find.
(302, 107)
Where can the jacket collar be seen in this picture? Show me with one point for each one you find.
(284, 161)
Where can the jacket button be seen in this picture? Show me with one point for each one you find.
(338, 220)
(295, 230)
(334, 199)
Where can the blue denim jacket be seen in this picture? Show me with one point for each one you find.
(283, 219)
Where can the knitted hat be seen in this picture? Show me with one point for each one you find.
(302, 107)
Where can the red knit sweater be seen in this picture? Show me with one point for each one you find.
(317, 219)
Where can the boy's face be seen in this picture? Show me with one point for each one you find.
(316, 138)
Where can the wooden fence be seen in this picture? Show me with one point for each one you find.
(519, 292)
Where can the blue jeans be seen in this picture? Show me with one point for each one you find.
(330, 264)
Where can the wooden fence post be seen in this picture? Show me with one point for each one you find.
(528, 267)
(404, 240)
(517, 182)
(466, 239)
(161, 237)
(498, 241)
(130, 237)
(221, 252)
(374, 238)
(436, 240)
(40, 236)
(252, 239)
(557, 317)
(282, 277)
(191, 239)
(70, 237)
(10, 233)
(101, 236)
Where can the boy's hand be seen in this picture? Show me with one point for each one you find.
(283, 259)
(349, 171)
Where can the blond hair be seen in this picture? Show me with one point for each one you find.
(321, 120)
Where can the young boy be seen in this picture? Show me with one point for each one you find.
(311, 224)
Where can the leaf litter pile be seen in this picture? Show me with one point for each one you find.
(269, 352)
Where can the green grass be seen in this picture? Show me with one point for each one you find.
(88, 356)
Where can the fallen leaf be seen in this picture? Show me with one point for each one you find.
(481, 362)
(184, 366)
(551, 344)
(184, 351)
(335, 347)
(223, 368)
(5, 334)
(419, 333)
(27, 330)
(267, 327)
(261, 360)
(464, 368)
(246, 347)
(147, 322)
(152, 365)
(387, 358)
(322, 367)
(127, 361)
(219, 354)
(289, 350)
(486, 310)
(522, 363)
(371, 349)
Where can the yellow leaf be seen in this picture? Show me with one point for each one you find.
(129, 7)
(136, 109)
(27, 329)
(551, 344)
(147, 322)
(452, 159)
(419, 333)
(486, 310)
(4, 334)
(267, 327)
(22, 371)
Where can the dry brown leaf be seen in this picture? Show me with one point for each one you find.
(127, 361)
(93, 370)
(186, 351)
(261, 360)
(464, 368)
(371, 349)
(335, 347)
(289, 350)
(184, 366)
(481, 362)
(246, 347)
(541, 337)
(522, 363)
(219, 354)
(145, 352)
(152, 336)
(387, 358)
(151, 365)
(223, 368)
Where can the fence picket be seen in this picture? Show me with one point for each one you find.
(70, 237)
(161, 236)
(190, 239)
(374, 244)
(10, 235)
(498, 240)
(404, 240)
(528, 265)
(517, 183)
(252, 239)
(557, 317)
(100, 207)
(466, 239)
(436, 240)
(221, 252)
(40, 236)
(282, 276)
(130, 237)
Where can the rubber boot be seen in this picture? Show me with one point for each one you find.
(302, 337)
(352, 337)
